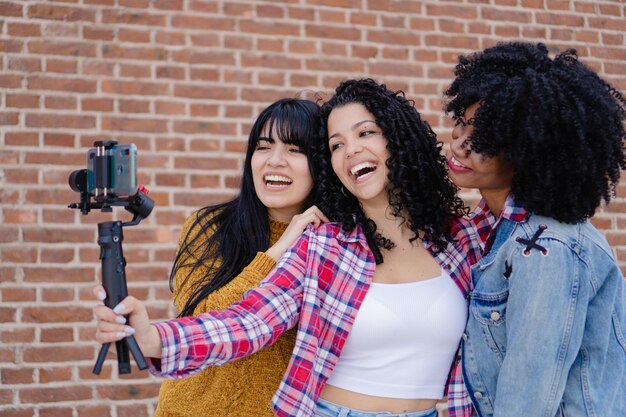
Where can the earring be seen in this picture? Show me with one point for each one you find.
(343, 191)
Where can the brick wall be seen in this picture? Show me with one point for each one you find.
(183, 80)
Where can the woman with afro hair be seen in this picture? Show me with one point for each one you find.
(378, 293)
(543, 141)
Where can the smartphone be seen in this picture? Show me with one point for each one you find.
(114, 172)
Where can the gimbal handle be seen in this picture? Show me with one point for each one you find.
(114, 282)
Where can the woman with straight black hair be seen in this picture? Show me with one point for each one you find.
(228, 248)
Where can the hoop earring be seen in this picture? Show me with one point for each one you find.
(343, 191)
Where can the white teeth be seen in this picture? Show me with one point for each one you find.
(360, 166)
(277, 178)
(456, 162)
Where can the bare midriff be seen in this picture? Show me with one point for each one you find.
(371, 403)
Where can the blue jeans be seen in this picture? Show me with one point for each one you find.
(328, 409)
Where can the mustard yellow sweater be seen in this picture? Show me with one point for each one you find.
(242, 388)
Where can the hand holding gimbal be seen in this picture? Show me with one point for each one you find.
(110, 180)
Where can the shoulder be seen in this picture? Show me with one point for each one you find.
(546, 236)
(334, 232)
(198, 220)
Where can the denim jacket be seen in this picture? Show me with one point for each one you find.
(546, 329)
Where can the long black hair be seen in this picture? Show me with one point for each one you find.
(418, 180)
(224, 238)
(556, 121)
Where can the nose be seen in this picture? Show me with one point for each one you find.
(352, 147)
(277, 157)
(456, 132)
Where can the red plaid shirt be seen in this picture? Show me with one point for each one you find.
(319, 284)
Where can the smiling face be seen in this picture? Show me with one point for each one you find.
(358, 153)
(491, 175)
(281, 175)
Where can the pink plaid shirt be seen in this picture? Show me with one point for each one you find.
(319, 284)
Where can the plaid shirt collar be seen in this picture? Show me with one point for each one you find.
(512, 211)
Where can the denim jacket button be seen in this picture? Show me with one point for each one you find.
(478, 395)
(495, 315)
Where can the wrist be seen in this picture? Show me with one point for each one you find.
(151, 347)
(274, 253)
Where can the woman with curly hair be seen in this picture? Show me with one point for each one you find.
(378, 294)
(543, 140)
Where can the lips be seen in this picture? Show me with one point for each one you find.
(456, 166)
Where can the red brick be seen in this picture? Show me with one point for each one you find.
(11, 9)
(81, 49)
(60, 216)
(132, 18)
(462, 12)
(168, 107)
(24, 29)
(98, 33)
(66, 14)
(60, 103)
(65, 314)
(22, 101)
(306, 14)
(22, 335)
(16, 376)
(130, 35)
(57, 335)
(56, 412)
(94, 410)
(332, 32)
(58, 275)
(61, 84)
(168, 4)
(135, 71)
(10, 45)
(130, 391)
(135, 410)
(97, 104)
(18, 412)
(171, 72)
(19, 255)
(205, 39)
(134, 88)
(44, 394)
(7, 314)
(21, 139)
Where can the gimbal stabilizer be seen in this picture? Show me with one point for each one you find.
(110, 238)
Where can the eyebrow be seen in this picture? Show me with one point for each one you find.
(353, 127)
(266, 139)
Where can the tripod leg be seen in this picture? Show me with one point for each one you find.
(136, 352)
(123, 358)
(101, 356)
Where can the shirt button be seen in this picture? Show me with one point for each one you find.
(495, 315)
(465, 337)
(478, 395)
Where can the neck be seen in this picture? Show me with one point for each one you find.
(495, 198)
(394, 228)
(283, 216)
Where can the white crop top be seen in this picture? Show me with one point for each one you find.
(403, 340)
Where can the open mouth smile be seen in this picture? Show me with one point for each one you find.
(362, 169)
(277, 181)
